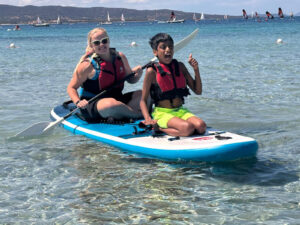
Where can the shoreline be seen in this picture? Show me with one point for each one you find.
(130, 21)
(137, 21)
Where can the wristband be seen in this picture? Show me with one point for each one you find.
(77, 102)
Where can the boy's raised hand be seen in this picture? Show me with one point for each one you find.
(193, 62)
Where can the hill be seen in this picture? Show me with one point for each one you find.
(27, 14)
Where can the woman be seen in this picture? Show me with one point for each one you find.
(100, 69)
(269, 15)
(280, 13)
(245, 16)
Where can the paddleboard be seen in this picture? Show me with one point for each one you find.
(213, 146)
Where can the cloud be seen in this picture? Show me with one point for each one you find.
(27, 2)
(105, 1)
(137, 1)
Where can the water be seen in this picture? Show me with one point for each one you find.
(251, 87)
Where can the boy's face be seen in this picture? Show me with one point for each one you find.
(164, 52)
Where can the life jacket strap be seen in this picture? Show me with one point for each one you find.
(162, 72)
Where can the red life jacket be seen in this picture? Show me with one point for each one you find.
(106, 75)
(171, 82)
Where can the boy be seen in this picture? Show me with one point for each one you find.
(166, 82)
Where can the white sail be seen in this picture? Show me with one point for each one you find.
(202, 16)
(58, 21)
(122, 18)
(38, 21)
(108, 18)
(107, 22)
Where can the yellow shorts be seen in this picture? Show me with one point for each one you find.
(163, 115)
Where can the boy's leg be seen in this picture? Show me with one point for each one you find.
(198, 124)
(179, 127)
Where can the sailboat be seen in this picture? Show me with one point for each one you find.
(151, 20)
(202, 16)
(108, 20)
(58, 21)
(173, 19)
(225, 17)
(40, 24)
(122, 18)
(194, 17)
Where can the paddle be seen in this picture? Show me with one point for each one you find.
(43, 127)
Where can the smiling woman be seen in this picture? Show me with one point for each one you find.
(98, 69)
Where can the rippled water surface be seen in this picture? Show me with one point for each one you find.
(251, 87)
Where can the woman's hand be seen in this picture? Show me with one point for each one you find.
(138, 71)
(82, 103)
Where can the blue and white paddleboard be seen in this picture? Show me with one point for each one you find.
(213, 146)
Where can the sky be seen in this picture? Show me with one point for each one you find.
(229, 7)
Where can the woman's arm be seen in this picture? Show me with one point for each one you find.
(138, 70)
(80, 75)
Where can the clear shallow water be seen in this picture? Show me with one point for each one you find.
(251, 87)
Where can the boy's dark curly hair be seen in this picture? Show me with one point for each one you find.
(160, 37)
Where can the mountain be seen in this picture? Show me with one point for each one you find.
(27, 14)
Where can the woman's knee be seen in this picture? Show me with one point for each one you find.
(107, 103)
(134, 102)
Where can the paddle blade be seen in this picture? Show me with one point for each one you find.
(53, 124)
(34, 130)
(181, 44)
(185, 41)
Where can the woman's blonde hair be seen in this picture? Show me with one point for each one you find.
(89, 49)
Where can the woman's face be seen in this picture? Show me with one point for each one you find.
(100, 42)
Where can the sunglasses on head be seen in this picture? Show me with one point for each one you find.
(103, 41)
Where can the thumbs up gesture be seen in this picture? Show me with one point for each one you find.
(193, 62)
